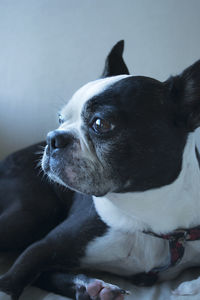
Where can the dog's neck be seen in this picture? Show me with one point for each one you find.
(161, 210)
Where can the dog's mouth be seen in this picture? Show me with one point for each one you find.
(50, 161)
(61, 168)
(47, 166)
(74, 172)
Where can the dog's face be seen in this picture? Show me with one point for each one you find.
(119, 133)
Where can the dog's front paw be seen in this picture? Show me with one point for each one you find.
(188, 288)
(99, 290)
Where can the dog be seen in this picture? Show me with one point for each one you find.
(124, 191)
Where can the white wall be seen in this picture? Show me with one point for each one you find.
(48, 48)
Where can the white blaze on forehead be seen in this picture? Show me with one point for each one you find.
(72, 111)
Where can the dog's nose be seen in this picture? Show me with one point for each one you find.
(58, 139)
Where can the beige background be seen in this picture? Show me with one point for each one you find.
(48, 48)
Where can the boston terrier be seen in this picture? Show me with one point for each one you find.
(125, 197)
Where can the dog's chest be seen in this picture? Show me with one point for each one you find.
(125, 253)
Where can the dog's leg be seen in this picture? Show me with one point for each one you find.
(30, 263)
(40, 257)
(79, 287)
(46, 255)
(22, 272)
(59, 249)
(63, 248)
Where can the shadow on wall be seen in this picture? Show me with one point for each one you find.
(24, 124)
(3, 148)
(7, 146)
(10, 144)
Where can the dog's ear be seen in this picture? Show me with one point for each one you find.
(115, 64)
(185, 93)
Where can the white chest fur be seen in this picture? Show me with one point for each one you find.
(125, 253)
(125, 249)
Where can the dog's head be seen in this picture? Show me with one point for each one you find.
(124, 133)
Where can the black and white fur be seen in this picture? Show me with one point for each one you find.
(126, 147)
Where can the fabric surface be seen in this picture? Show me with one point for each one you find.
(160, 291)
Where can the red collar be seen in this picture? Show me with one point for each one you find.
(177, 241)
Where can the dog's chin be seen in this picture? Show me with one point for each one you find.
(71, 178)
(70, 185)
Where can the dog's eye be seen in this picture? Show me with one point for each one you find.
(60, 119)
(102, 126)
